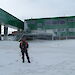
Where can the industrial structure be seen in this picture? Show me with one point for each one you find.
(58, 27)
(9, 20)
(42, 28)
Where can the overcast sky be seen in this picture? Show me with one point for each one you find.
(25, 9)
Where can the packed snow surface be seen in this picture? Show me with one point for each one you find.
(47, 58)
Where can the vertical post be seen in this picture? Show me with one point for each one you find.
(25, 26)
(0, 32)
(58, 34)
(52, 37)
(5, 32)
(66, 33)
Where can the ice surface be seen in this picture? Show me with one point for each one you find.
(47, 58)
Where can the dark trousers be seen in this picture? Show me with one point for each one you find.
(26, 53)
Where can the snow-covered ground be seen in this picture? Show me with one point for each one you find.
(47, 58)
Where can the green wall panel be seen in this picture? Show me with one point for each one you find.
(52, 23)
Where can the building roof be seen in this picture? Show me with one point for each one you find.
(9, 19)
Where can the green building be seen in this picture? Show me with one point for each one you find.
(8, 20)
(57, 26)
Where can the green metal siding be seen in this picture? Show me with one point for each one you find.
(52, 23)
(7, 18)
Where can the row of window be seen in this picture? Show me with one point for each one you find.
(64, 30)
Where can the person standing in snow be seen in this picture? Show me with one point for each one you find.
(23, 46)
